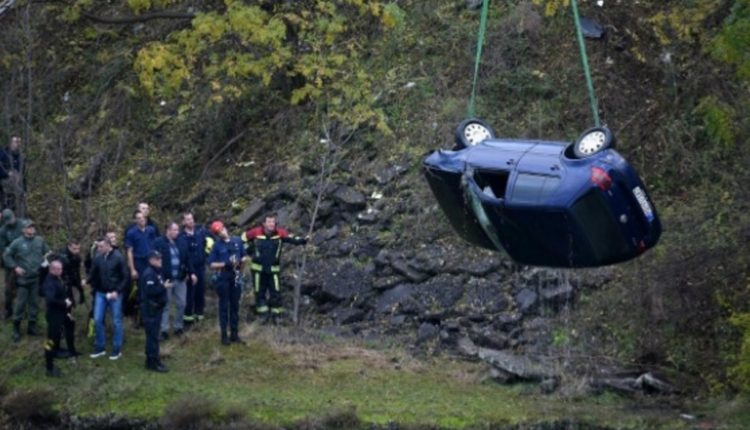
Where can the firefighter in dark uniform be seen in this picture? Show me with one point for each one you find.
(226, 260)
(264, 246)
(154, 293)
(59, 318)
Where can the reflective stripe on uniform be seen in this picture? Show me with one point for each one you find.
(277, 310)
(262, 309)
(209, 244)
(276, 281)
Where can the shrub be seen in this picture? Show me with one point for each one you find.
(36, 407)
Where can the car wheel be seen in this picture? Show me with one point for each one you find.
(472, 132)
(592, 141)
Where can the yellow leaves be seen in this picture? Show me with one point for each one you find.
(683, 22)
(138, 6)
(210, 26)
(551, 7)
(160, 69)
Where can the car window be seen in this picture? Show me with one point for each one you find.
(599, 225)
(534, 188)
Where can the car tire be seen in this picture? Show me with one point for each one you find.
(593, 141)
(471, 132)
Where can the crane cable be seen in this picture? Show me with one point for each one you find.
(471, 111)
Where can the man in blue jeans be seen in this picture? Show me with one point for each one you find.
(108, 278)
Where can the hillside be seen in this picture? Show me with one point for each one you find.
(325, 110)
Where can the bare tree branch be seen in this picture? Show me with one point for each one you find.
(139, 18)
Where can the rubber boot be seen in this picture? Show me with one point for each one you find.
(70, 341)
(224, 338)
(49, 357)
(16, 331)
(265, 318)
(235, 338)
(31, 329)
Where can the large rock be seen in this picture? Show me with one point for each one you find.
(393, 300)
(385, 175)
(385, 282)
(344, 283)
(485, 297)
(527, 300)
(251, 211)
(646, 383)
(350, 198)
(477, 264)
(347, 315)
(430, 260)
(404, 268)
(509, 367)
(439, 296)
(557, 297)
(427, 332)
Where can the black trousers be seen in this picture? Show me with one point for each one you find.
(229, 303)
(151, 325)
(57, 323)
(267, 293)
(196, 296)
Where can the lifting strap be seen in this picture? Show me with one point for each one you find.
(480, 41)
(471, 111)
(585, 61)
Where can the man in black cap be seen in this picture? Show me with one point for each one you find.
(154, 293)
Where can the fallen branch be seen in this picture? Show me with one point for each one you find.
(139, 18)
(219, 153)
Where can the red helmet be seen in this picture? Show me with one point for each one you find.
(216, 227)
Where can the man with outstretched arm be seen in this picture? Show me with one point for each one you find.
(264, 246)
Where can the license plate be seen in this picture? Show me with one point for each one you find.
(640, 195)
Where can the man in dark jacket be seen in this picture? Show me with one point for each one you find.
(175, 268)
(154, 298)
(70, 256)
(108, 277)
(25, 257)
(59, 318)
(264, 246)
(226, 260)
(196, 238)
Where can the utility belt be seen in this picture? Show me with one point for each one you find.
(256, 267)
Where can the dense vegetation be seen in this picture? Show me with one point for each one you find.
(186, 103)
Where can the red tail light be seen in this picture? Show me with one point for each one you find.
(600, 178)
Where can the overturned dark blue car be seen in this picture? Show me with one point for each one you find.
(546, 203)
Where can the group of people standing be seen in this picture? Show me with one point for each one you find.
(153, 273)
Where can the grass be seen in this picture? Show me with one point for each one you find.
(284, 375)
